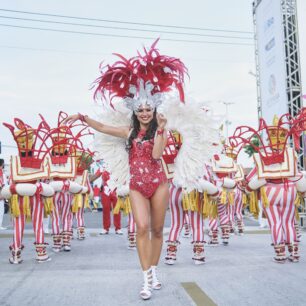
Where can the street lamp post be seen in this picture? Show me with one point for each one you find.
(227, 122)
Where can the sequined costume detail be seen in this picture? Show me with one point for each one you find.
(146, 172)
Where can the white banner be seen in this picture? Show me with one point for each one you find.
(271, 55)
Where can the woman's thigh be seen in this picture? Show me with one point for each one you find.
(140, 209)
(159, 204)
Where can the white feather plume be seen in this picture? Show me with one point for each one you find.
(199, 129)
(112, 149)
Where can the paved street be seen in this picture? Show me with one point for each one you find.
(102, 271)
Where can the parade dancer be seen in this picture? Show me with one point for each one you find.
(181, 210)
(29, 197)
(277, 178)
(62, 173)
(223, 169)
(142, 89)
(177, 224)
(235, 210)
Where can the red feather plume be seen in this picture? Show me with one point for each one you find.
(164, 72)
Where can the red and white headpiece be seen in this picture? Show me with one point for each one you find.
(141, 80)
(65, 139)
(31, 143)
(272, 139)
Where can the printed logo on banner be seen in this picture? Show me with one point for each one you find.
(270, 44)
(272, 84)
(269, 23)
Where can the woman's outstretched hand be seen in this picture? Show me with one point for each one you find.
(161, 121)
(70, 119)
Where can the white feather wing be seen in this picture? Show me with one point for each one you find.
(112, 149)
(199, 129)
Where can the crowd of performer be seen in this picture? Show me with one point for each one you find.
(59, 186)
(50, 175)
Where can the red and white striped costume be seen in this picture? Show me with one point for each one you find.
(223, 215)
(177, 223)
(235, 211)
(131, 223)
(239, 208)
(61, 212)
(61, 218)
(79, 215)
(177, 213)
(32, 207)
(280, 214)
(37, 214)
(178, 217)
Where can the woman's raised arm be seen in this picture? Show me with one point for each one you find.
(122, 131)
(160, 141)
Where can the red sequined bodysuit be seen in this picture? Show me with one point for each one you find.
(146, 172)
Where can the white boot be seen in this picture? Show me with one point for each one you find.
(156, 284)
(146, 291)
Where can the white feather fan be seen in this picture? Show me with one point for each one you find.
(112, 149)
(199, 129)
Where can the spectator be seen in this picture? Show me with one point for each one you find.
(96, 191)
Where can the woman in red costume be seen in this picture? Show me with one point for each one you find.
(141, 82)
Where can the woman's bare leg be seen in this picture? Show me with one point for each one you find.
(159, 204)
(141, 212)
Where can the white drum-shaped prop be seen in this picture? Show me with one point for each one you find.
(301, 183)
(207, 186)
(22, 189)
(228, 183)
(75, 187)
(47, 190)
(255, 183)
(57, 185)
(5, 192)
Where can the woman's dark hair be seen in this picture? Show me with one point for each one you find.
(135, 125)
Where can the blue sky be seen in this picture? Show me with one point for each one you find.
(45, 72)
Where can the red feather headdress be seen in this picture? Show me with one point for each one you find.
(141, 79)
